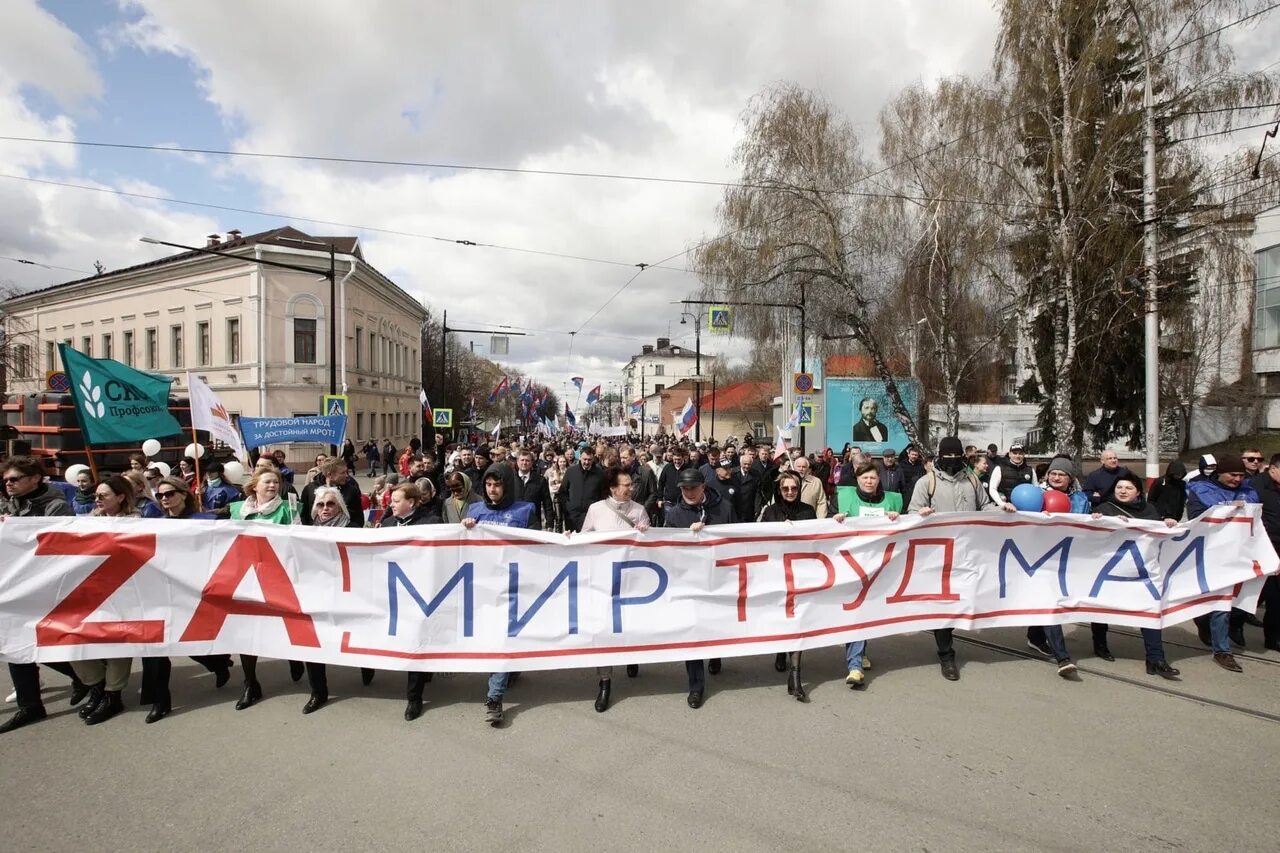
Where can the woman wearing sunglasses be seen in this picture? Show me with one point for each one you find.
(176, 501)
(459, 498)
(107, 679)
(788, 507)
(265, 503)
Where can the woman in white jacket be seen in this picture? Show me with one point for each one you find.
(616, 512)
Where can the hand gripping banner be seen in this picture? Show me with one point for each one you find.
(443, 598)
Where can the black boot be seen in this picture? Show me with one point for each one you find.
(713, 666)
(252, 693)
(222, 673)
(315, 703)
(795, 687)
(602, 698)
(366, 676)
(413, 710)
(780, 662)
(95, 696)
(296, 670)
(80, 691)
(159, 710)
(633, 669)
(108, 706)
(23, 717)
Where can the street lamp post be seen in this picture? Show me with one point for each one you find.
(445, 329)
(697, 366)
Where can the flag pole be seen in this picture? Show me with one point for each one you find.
(88, 447)
(195, 444)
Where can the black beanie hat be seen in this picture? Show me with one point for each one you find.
(950, 446)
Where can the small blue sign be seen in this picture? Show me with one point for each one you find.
(322, 430)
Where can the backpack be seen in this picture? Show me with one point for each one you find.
(973, 481)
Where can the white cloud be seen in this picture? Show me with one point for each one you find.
(39, 50)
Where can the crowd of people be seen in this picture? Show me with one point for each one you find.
(573, 484)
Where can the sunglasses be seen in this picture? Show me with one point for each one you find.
(788, 489)
(1251, 458)
(168, 494)
(17, 479)
(107, 496)
(326, 503)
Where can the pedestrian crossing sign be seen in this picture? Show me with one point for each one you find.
(806, 415)
(335, 405)
(719, 319)
(442, 417)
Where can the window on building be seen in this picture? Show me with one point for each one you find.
(153, 349)
(657, 388)
(304, 340)
(659, 370)
(757, 429)
(385, 431)
(373, 352)
(1266, 325)
(359, 350)
(22, 365)
(233, 340)
(128, 348)
(108, 346)
(360, 418)
(50, 355)
(86, 345)
(204, 344)
(176, 348)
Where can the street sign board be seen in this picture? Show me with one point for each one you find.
(720, 319)
(803, 383)
(442, 417)
(57, 381)
(806, 414)
(334, 405)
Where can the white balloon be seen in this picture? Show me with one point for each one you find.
(162, 467)
(194, 451)
(73, 471)
(150, 448)
(233, 472)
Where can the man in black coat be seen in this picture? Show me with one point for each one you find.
(912, 465)
(335, 474)
(1267, 485)
(532, 487)
(582, 486)
(745, 504)
(644, 481)
(668, 485)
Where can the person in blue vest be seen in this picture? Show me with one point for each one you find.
(1226, 485)
(500, 509)
(218, 495)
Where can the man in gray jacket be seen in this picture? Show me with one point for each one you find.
(950, 487)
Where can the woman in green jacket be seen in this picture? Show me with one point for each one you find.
(866, 498)
(264, 503)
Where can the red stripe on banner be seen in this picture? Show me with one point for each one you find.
(348, 648)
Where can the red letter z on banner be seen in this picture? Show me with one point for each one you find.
(65, 625)
(279, 599)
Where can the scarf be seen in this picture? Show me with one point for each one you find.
(790, 509)
(252, 508)
(873, 498)
(337, 521)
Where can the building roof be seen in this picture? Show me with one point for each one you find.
(860, 365)
(749, 395)
(276, 236)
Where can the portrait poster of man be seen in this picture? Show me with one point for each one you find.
(859, 411)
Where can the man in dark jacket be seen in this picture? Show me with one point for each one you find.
(698, 507)
(532, 487)
(1169, 493)
(334, 471)
(1100, 482)
(1267, 485)
(30, 497)
(912, 466)
(668, 485)
(644, 482)
(891, 476)
(499, 509)
(745, 503)
(582, 486)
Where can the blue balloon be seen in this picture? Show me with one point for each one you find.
(1027, 498)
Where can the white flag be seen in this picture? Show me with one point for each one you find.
(208, 413)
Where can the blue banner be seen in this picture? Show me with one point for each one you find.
(322, 430)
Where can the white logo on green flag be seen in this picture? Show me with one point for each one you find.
(117, 404)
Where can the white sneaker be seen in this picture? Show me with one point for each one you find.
(11, 696)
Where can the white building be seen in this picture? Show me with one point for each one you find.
(659, 367)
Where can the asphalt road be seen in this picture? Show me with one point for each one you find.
(1009, 758)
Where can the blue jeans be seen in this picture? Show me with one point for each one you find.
(1153, 644)
(1219, 623)
(1057, 642)
(853, 653)
(498, 684)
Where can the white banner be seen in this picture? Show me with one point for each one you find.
(443, 598)
(208, 413)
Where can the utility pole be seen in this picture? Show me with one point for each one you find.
(1150, 249)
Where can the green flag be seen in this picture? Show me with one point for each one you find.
(117, 404)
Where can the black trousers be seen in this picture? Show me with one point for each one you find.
(697, 675)
(1271, 616)
(942, 636)
(26, 681)
(417, 683)
(156, 673)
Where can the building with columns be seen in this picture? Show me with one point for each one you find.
(258, 335)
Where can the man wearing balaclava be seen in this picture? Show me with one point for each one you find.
(950, 487)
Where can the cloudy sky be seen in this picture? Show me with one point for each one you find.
(652, 88)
